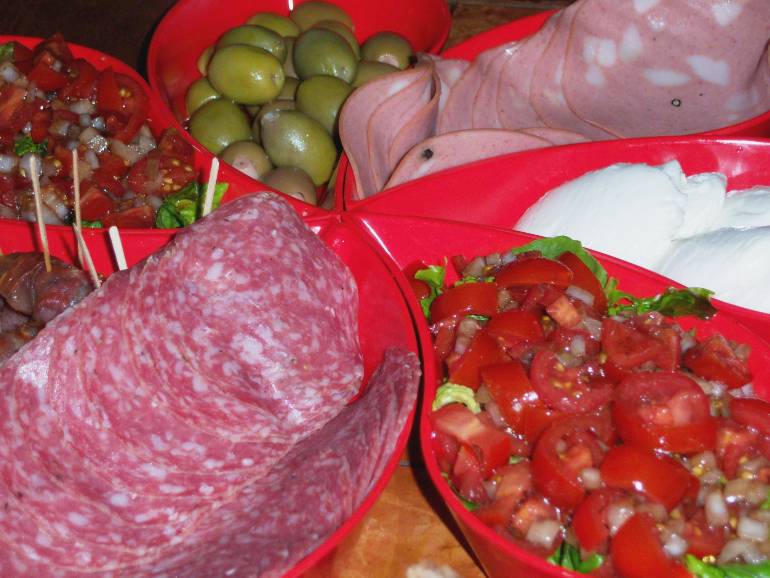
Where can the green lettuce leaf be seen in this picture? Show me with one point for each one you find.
(454, 393)
(184, 207)
(701, 569)
(671, 303)
(434, 276)
(91, 224)
(568, 556)
(555, 247)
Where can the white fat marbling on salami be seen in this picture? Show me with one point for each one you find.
(725, 12)
(631, 45)
(709, 69)
(666, 77)
(644, 6)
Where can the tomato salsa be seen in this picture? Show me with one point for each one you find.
(587, 426)
(52, 103)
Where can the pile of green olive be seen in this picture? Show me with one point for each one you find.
(272, 89)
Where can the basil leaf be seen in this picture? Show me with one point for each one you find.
(555, 247)
(454, 393)
(671, 303)
(185, 206)
(701, 569)
(434, 276)
(6, 51)
(26, 145)
(568, 556)
(91, 224)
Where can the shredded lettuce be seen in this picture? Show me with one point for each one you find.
(454, 393)
(91, 224)
(434, 276)
(26, 145)
(555, 247)
(470, 279)
(184, 207)
(671, 303)
(701, 569)
(568, 556)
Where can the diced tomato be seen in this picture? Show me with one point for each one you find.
(626, 346)
(533, 510)
(467, 476)
(482, 351)
(466, 299)
(41, 121)
(419, 288)
(123, 102)
(564, 340)
(534, 271)
(112, 165)
(637, 551)
(590, 520)
(584, 278)
(444, 338)
(54, 46)
(754, 413)
(11, 100)
(518, 402)
(703, 538)
(568, 389)
(159, 174)
(563, 312)
(134, 218)
(665, 411)
(556, 471)
(445, 447)
(735, 445)
(660, 478)
(81, 84)
(514, 326)
(715, 360)
(491, 445)
(43, 74)
(513, 483)
(94, 203)
(173, 145)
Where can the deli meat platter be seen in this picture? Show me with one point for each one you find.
(334, 288)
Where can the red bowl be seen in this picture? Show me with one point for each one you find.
(408, 240)
(193, 25)
(138, 243)
(498, 191)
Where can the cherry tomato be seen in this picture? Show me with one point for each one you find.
(569, 389)
(134, 218)
(665, 411)
(754, 413)
(482, 351)
(465, 299)
(584, 278)
(735, 445)
(637, 552)
(589, 521)
(534, 271)
(514, 326)
(513, 483)
(517, 400)
(159, 174)
(715, 360)
(563, 451)
(660, 478)
(626, 346)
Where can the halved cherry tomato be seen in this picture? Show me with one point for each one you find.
(491, 445)
(94, 203)
(715, 360)
(637, 552)
(123, 102)
(134, 218)
(570, 389)
(466, 299)
(584, 278)
(654, 325)
(660, 478)
(514, 326)
(563, 451)
(517, 400)
(482, 351)
(735, 445)
(626, 346)
(534, 271)
(172, 144)
(159, 174)
(513, 483)
(754, 413)
(664, 411)
(589, 521)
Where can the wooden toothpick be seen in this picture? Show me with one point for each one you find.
(39, 211)
(208, 200)
(87, 254)
(76, 190)
(117, 248)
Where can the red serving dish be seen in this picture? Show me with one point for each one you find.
(193, 25)
(16, 235)
(408, 240)
(499, 190)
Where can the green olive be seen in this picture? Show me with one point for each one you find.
(342, 30)
(258, 36)
(219, 123)
(253, 109)
(388, 47)
(199, 93)
(321, 98)
(293, 139)
(292, 181)
(281, 24)
(289, 91)
(288, 64)
(246, 74)
(273, 106)
(308, 13)
(203, 60)
(248, 157)
(370, 70)
(323, 52)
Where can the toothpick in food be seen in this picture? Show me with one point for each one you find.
(87, 254)
(208, 200)
(117, 248)
(39, 211)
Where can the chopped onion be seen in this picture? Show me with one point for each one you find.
(687, 342)
(593, 326)
(93, 140)
(475, 268)
(737, 549)
(98, 123)
(579, 293)
(745, 391)
(543, 533)
(60, 127)
(83, 107)
(154, 201)
(655, 509)
(56, 203)
(27, 128)
(675, 546)
(8, 72)
(57, 65)
(503, 299)
(716, 509)
(493, 260)
(127, 153)
(578, 346)
(618, 514)
(92, 159)
(508, 257)
(591, 478)
(24, 164)
(751, 529)
(144, 141)
(746, 491)
(494, 412)
(8, 163)
(84, 120)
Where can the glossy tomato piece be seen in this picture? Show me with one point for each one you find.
(703, 538)
(514, 326)
(81, 84)
(123, 102)
(534, 271)
(568, 389)
(160, 174)
(754, 413)
(482, 351)
(94, 204)
(736, 444)
(589, 522)
(11, 100)
(638, 553)
(584, 278)
(657, 477)
(134, 218)
(563, 312)
(516, 399)
(513, 482)
(467, 476)
(714, 359)
(563, 451)
(626, 346)
(44, 75)
(173, 145)
(664, 410)
(55, 46)
(445, 447)
(466, 299)
(491, 445)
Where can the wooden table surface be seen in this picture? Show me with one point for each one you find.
(408, 524)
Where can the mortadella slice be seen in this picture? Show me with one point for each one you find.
(447, 73)
(484, 113)
(458, 148)
(456, 113)
(556, 136)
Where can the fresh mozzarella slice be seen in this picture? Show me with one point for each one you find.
(747, 208)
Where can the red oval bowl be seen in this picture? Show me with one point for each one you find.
(498, 191)
(193, 25)
(408, 240)
(384, 321)
(138, 243)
